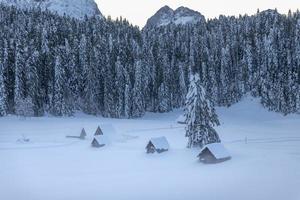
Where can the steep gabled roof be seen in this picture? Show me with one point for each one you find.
(101, 139)
(98, 131)
(217, 149)
(160, 143)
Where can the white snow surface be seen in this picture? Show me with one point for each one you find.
(218, 150)
(52, 167)
(160, 143)
(73, 8)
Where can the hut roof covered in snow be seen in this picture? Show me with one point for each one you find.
(101, 139)
(160, 143)
(181, 119)
(217, 149)
(98, 131)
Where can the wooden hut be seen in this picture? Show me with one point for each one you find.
(98, 131)
(214, 153)
(181, 119)
(158, 145)
(82, 134)
(99, 141)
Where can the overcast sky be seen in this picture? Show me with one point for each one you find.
(138, 11)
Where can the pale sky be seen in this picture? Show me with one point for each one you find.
(138, 11)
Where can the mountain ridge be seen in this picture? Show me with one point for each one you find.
(74, 8)
(181, 16)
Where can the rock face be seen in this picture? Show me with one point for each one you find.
(180, 16)
(73, 8)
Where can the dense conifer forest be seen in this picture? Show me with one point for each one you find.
(58, 65)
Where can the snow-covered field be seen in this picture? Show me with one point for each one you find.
(52, 167)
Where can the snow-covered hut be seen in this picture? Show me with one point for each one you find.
(99, 141)
(181, 119)
(214, 153)
(158, 145)
(82, 134)
(98, 131)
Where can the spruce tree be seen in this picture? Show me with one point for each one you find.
(3, 110)
(200, 116)
(60, 105)
(138, 99)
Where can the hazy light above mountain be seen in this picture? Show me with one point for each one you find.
(139, 11)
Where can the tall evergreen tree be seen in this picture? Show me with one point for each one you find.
(200, 116)
(3, 110)
(138, 109)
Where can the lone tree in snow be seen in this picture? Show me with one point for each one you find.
(200, 116)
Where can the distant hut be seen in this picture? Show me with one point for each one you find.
(181, 119)
(214, 153)
(99, 141)
(82, 134)
(98, 131)
(158, 145)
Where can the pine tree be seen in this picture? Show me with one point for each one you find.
(128, 102)
(200, 115)
(60, 105)
(120, 85)
(20, 78)
(33, 82)
(163, 98)
(138, 99)
(3, 110)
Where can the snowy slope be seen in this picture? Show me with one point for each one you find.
(73, 8)
(180, 16)
(52, 167)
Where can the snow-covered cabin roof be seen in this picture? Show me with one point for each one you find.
(181, 119)
(217, 149)
(160, 143)
(101, 139)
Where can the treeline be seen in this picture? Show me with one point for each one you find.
(58, 65)
(257, 54)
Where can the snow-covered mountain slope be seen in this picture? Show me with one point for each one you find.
(73, 8)
(180, 16)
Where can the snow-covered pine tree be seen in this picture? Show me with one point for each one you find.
(33, 82)
(120, 87)
(138, 99)
(3, 110)
(59, 105)
(200, 116)
(163, 98)
(128, 101)
(182, 84)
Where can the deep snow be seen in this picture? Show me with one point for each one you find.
(51, 167)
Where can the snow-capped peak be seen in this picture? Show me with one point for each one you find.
(73, 8)
(180, 16)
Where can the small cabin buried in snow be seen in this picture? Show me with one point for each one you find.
(82, 135)
(99, 141)
(98, 131)
(158, 145)
(214, 153)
